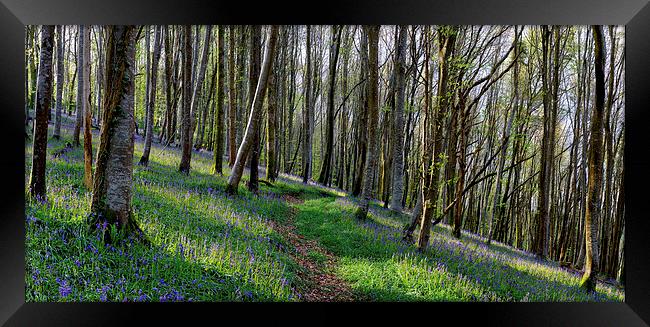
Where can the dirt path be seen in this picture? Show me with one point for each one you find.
(318, 282)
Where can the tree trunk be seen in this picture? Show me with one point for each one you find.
(496, 205)
(147, 75)
(218, 147)
(361, 121)
(88, 136)
(371, 153)
(398, 123)
(113, 183)
(244, 148)
(306, 130)
(43, 101)
(80, 83)
(594, 185)
(254, 73)
(271, 127)
(432, 142)
(186, 128)
(99, 71)
(541, 243)
(151, 104)
(60, 54)
(232, 105)
(326, 166)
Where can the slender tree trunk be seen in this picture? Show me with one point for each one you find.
(541, 244)
(99, 70)
(244, 148)
(169, 85)
(43, 100)
(306, 130)
(151, 104)
(232, 105)
(218, 147)
(80, 84)
(432, 144)
(254, 73)
(147, 75)
(186, 128)
(60, 54)
(326, 166)
(398, 123)
(271, 128)
(371, 153)
(593, 212)
(362, 117)
(88, 136)
(496, 205)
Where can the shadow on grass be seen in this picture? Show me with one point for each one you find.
(220, 249)
(91, 271)
(379, 265)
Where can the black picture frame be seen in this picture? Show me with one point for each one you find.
(634, 14)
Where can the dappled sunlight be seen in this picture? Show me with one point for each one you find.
(376, 261)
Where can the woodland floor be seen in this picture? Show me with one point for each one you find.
(289, 242)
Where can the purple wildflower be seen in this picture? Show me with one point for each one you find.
(64, 288)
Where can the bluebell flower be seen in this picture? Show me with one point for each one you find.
(64, 288)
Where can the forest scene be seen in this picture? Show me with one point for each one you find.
(344, 163)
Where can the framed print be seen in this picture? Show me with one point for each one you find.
(483, 162)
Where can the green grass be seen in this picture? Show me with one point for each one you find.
(205, 246)
(382, 268)
(208, 246)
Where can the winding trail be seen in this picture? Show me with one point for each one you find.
(317, 281)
